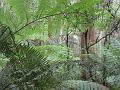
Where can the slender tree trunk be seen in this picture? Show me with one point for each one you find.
(49, 27)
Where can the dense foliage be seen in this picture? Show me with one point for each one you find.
(47, 45)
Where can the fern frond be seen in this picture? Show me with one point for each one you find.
(81, 85)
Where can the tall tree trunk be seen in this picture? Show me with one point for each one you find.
(87, 38)
(91, 39)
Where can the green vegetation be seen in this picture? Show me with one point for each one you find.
(59, 45)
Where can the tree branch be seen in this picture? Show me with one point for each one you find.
(112, 30)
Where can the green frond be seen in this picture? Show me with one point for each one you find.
(81, 85)
(19, 7)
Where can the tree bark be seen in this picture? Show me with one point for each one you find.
(87, 38)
